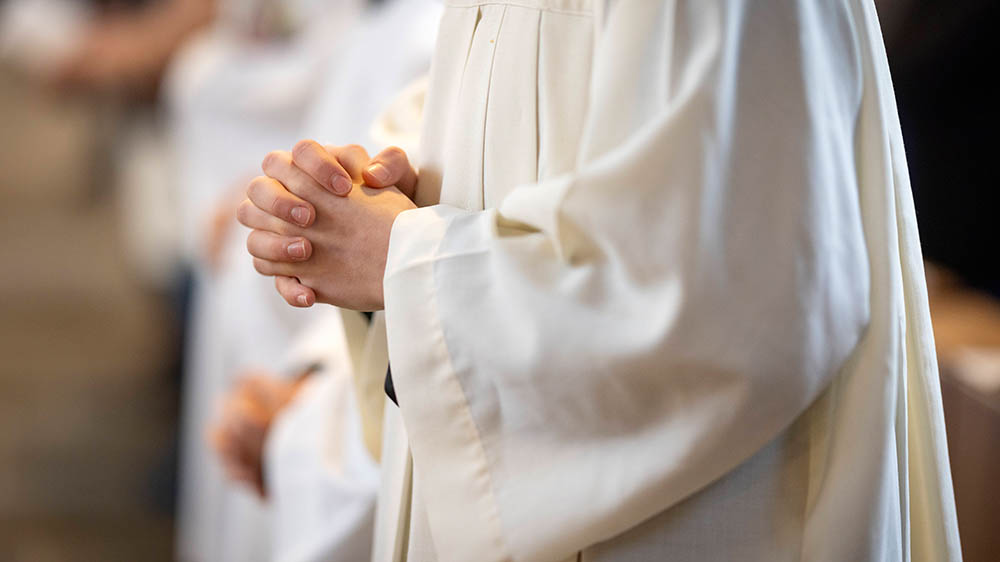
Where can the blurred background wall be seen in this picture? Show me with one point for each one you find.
(88, 399)
(90, 330)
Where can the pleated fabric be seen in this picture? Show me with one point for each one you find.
(664, 298)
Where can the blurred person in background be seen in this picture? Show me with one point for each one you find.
(101, 46)
(208, 68)
(236, 77)
(243, 83)
(308, 439)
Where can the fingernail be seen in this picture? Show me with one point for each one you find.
(303, 300)
(379, 172)
(297, 249)
(300, 215)
(340, 184)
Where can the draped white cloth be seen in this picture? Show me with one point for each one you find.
(232, 97)
(321, 479)
(664, 299)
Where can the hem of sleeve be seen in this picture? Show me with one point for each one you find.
(450, 465)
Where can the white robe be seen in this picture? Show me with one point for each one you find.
(321, 477)
(231, 99)
(664, 299)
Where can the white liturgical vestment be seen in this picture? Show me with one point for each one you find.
(321, 477)
(231, 99)
(664, 298)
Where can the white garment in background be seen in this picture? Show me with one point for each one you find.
(40, 35)
(321, 477)
(384, 52)
(665, 299)
(231, 99)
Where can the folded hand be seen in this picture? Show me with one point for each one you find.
(321, 219)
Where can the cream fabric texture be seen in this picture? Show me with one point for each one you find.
(664, 299)
(321, 478)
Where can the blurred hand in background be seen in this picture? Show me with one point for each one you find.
(130, 49)
(240, 434)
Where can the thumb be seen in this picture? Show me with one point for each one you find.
(392, 167)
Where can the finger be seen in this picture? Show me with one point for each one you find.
(269, 195)
(227, 449)
(294, 293)
(253, 386)
(274, 247)
(352, 157)
(250, 457)
(246, 432)
(250, 430)
(392, 167)
(237, 472)
(267, 267)
(217, 439)
(322, 167)
(266, 392)
(252, 217)
(281, 166)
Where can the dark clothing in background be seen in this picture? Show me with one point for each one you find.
(943, 59)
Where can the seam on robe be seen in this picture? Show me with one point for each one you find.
(541, 5)
(405, 513)
(538, 121)
(486, 106)
(468, 49)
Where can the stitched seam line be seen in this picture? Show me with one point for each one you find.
(515, 3)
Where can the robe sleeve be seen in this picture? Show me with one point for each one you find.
(607, 342)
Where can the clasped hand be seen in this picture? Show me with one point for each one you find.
(321, 219)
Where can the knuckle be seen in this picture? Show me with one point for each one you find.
(322, 171)
(302, 147)
(394, 153)
(257, 186)
(354, 148)
(287, 294)
(282, 285)
(261, 266)
(276, 246)
(281, 206)
(271, 160)
(243, 211)
(252, 242)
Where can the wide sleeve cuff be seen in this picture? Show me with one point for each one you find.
(457, 491)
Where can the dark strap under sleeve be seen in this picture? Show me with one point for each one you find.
(390, 391)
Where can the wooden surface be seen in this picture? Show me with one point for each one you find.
(967, 326)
